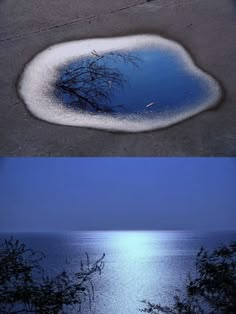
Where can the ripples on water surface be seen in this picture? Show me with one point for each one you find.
(138, 265)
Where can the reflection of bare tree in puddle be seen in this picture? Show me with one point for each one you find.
(89, 84)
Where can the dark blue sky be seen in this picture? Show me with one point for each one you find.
(113, 193)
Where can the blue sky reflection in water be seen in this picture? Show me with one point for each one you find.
(144, 81)
(129, 84)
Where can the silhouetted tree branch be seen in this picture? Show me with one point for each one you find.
(212, 291)
(24, 287)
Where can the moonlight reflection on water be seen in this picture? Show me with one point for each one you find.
(138, 264)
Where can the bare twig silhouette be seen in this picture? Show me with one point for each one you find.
(25, 288)
(89, 83)
(212, 291)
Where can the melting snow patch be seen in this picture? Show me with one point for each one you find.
(148, 82)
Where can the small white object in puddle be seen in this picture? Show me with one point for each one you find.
(150, 105)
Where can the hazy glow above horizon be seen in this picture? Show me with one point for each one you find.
(117, 194)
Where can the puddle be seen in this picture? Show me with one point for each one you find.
(134, 84)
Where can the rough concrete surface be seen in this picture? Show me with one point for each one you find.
(206, 28)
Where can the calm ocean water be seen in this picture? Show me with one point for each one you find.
(138, 265)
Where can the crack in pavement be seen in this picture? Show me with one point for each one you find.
(74, 21)
(92, 17)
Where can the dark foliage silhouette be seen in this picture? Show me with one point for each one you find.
(212, 291)
(89, 84)
(25, 288)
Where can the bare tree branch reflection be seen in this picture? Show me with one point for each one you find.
(89, 84)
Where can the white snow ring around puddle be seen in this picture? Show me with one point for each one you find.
(37, 84)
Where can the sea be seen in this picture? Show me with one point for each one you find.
(139, 265)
